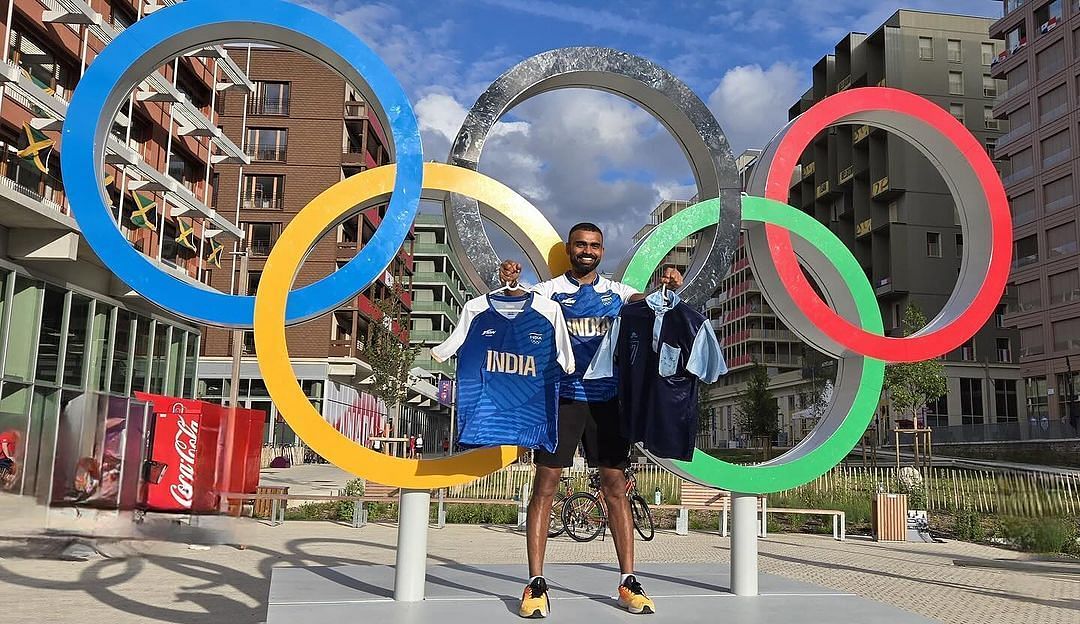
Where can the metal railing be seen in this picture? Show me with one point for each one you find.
(268, 106)
(265, 152)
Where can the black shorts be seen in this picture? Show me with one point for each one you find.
(596, 427)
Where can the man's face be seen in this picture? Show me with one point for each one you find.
(586, 249)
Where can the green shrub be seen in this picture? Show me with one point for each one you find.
(1042, 535)
(481, 514)
(345, 508)
(969, 525)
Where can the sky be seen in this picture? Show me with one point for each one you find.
(583, 155)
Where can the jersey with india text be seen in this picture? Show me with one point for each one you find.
(589, 310)
(511, 352)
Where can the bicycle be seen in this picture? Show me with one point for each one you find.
(585, 514)
(556, 526)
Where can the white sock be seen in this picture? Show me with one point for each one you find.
(624, 577)
(533, 578)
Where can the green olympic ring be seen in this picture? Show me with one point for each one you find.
(816, 456)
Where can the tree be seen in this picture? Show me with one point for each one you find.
(757, 408)
(390, 355)
(912, 385)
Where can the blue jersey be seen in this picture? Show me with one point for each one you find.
(589, 310)
(662, 348)
(511, 354)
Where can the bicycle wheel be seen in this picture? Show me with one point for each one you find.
(582, 517)
(556, 528)
(643, 521)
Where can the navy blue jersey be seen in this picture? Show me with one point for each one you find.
(662, 350)
(511, 353)
(589, 310)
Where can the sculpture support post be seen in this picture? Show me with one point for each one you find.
(411, 566)
(744, 547)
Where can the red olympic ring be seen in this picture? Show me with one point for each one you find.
(919, 346)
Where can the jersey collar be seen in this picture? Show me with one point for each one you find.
(527, 298)
(570, 278)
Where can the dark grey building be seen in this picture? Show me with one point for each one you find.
(890, 206)
(1040, 66)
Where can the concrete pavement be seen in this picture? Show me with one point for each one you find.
(154, 581)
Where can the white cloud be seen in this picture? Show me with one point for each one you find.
(751, 103)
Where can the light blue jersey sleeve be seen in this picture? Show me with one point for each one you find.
(706, 359)
(603, 363)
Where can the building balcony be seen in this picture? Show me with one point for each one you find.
(1011, 92)
(431, 249)
(1018, 176)
(859, 134)
(436, 307)
(356, 110)
(346, 347)
(1012, 135)
(824, 190)
(847, 174)
(446, 368)
(428, 336)
(809, 170)
(881, 190)
(863, 228)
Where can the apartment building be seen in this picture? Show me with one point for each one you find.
(76, 342)
(890, 206)
(304, 129)
(1040, 68)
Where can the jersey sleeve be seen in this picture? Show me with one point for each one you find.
(706, 359)
(603, 363)
(563, 346)
(543, 289)
(450, 346)
(624, 291)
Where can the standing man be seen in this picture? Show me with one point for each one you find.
(588, 414)
(419, 446)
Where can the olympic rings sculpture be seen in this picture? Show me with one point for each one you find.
(846, 324)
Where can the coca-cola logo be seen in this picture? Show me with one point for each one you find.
(185, 444)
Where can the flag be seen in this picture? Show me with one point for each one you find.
(185, 235)
(215, 253)
(109, 179)
(36, 144)
(140, 217)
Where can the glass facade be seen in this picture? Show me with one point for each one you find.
(65, 351)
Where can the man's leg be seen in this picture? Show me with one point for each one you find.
(620, 520)
(538, 519)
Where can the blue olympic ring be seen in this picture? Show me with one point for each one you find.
(154, 40)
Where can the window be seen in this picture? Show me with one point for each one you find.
(1053, 104)
(987, 53)
(926, 48)
(1068, 387)
(957, 110)
(991, 147)
(971, 401)
(1023, 166)
(1029, 296)
(1050, 61)
(266, 144)
(1004, 350)
(999, 315)
(1065, 287)
(959, 245)
(1025, 251)
(1023, 208)
(933, 244)
(120, 15)
(215, 181)
(989, 121)
(1056, 149)
(967, 350)
(956, 83)
(937, 412)
(953, 50)
(1058, 195)
(1016, 38)
(1017, 79)
(182, 169)
(1048, 16)
(1005, 400)
(1031, 341)
(1020, 120)
(253, 282)
(265, 192)
(261, 237)
(43, 66)
(989, 86)
(1067, 334)
(1036, 393)
(270, 98)
(1061, 240)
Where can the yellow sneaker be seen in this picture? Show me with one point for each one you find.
(534, 602)
(633, 598)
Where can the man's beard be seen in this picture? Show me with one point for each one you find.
(584, 268)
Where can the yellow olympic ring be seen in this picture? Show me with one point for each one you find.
(269, 322)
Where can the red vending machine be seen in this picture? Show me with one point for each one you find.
(199, 450)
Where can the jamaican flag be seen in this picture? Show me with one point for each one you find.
(37, 144)
(215, 253)
(140, 217)
(185, 235)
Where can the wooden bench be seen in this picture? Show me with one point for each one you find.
(698, 497)
(839, 519)
(278, 501)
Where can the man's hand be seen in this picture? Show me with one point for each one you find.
(671, 278)
(509, 272)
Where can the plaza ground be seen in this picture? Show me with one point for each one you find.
(144, 581)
